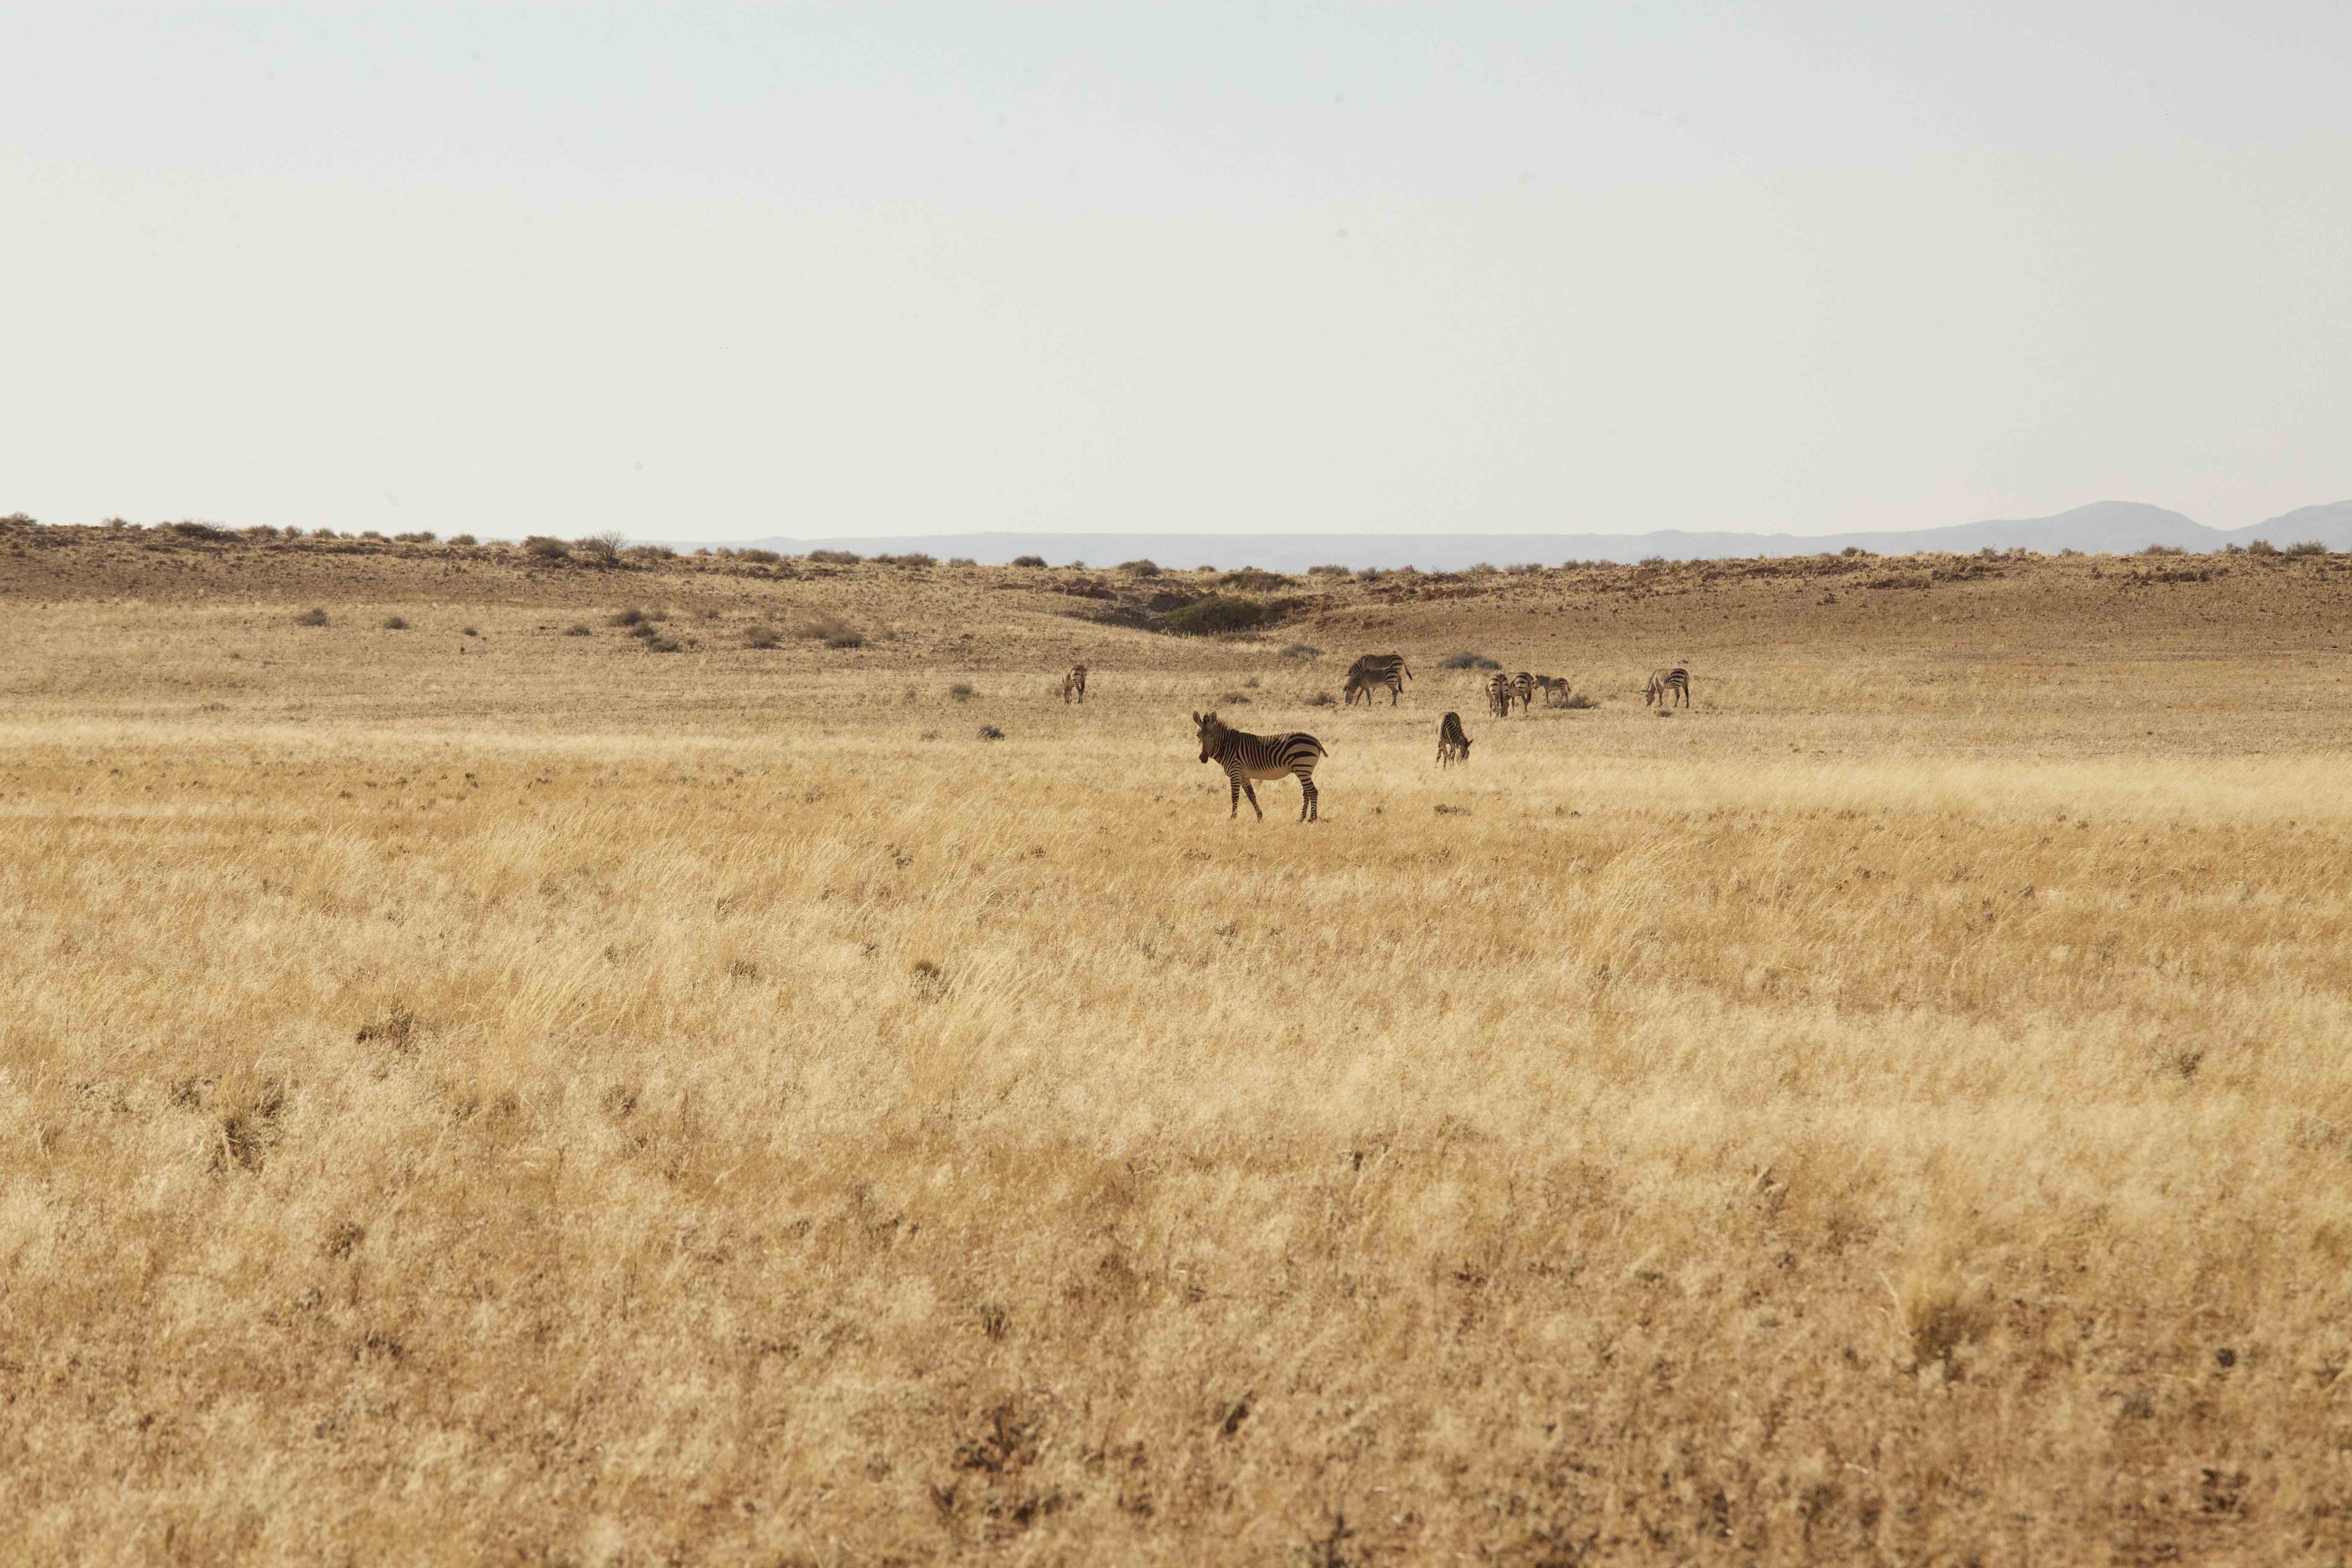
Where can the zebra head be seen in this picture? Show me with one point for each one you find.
(1213, 734)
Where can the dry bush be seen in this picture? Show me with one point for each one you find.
(763, 635)
(833, 557)
(313, 617)
(578, 629)
(394, 623)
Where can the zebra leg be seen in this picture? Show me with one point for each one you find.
(1250, 790)
(1237, 810)
(1306, 809)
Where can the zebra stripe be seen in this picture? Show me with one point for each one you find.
(1244, 756)
(1374, 670)
(1452, 745)
(1075, 683)
(1665, 685)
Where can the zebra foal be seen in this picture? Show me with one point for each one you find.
(1374, 670)
(1665, 685)
(1244, 756)
(1452, 745)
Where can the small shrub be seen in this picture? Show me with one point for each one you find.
(1654, 561)
(818, 625)
(2261, 547)
(759, 557)
(1322, 699)
(961, 561)
(1146, 568)
(1327, 571)
(470, 631)
(312, 617)
(603, 548)
(628, 618)
(1523, 569)
(2158, 550)
(1078, 566)
(322, 533)
(2071, 553)
(1666, 712)
(1483, 569)
(845, 639)
(835, 557)
(1235, 697)
(394, 623)
(649, 554)
(1452, 811)
(661, 644)
(578, 629)
(2307, 547)
(1371, 575)
(962, 692)
(1029, 560)
(422, 536)
(1853, 550)
(642, 629)
(371, 533)
(763, 635)
(1467, 662)
(465, 538)
(1252, 684)
(911, 558)
(990, 732)
(1254, 579)
(1306, 653)
(258, 531)
(1215, 614)
(199, 530)
(540, 547)
(1578, 700)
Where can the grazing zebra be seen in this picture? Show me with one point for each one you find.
(1554, 688)
(1075, 684)
(1245, 757)
(1374, 670)
(1665, 684)
(1499, 696)
(1452, 745)
(1523, 687)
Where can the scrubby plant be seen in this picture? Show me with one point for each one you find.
(313, 617)
(1322, 699)
(961, 691)
(600, 549)
(961, 561)
(759, 557)
(578, 629)
(394, 623)
(2307, 547)
(990, 732)
(763, 635)
(376, 534)
(2261, 547)
(1306, 653)
(1145, 568)
(465, 539)
(835, 557)
(1037, 561)
(1467, 662)
(629, 617)
(663, 645)
(1327, 571)
(1215, 614)
(541, 547)
(1254, 579)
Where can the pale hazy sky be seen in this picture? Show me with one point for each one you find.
(716, 272)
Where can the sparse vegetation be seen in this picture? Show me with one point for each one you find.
(578, 629)
(2261, 547)
(314, 616)
(835, 557)
(465, 538)
(763, 635)
(541, 547)
(2307, 547)
(1139, 568)
(990, 732)
(394, 623)
(1467, 662)
(1327, 571)
(630, 617)
(1035, 561)
(961, 691)
(1321, 700)
(1306, 653)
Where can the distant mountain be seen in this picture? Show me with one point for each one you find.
(2109, 527)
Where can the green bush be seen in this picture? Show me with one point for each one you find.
(1215, 614)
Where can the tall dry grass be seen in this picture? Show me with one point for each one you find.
(675, 1131)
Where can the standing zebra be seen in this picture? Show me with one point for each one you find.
(1499, 696)
(1523, 687)
(1554, 688)
(1075, 684)
(1245, 757)
(1665, 685)
(1374, 670)
(1452, 745)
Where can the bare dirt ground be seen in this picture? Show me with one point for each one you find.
(481, 1089)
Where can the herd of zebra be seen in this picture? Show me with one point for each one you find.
(1246, 757)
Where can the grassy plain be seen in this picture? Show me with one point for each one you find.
(519, 1097)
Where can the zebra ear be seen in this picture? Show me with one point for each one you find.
(1196, 718)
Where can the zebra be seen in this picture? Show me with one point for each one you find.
(1523, 687)
(1554, 688)
(1075, 683)
(1499, 696)
(1452, 745)
(1374, 670)
(1665, 684)
(1245, 757)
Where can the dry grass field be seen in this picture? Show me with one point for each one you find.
(485, 1091)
